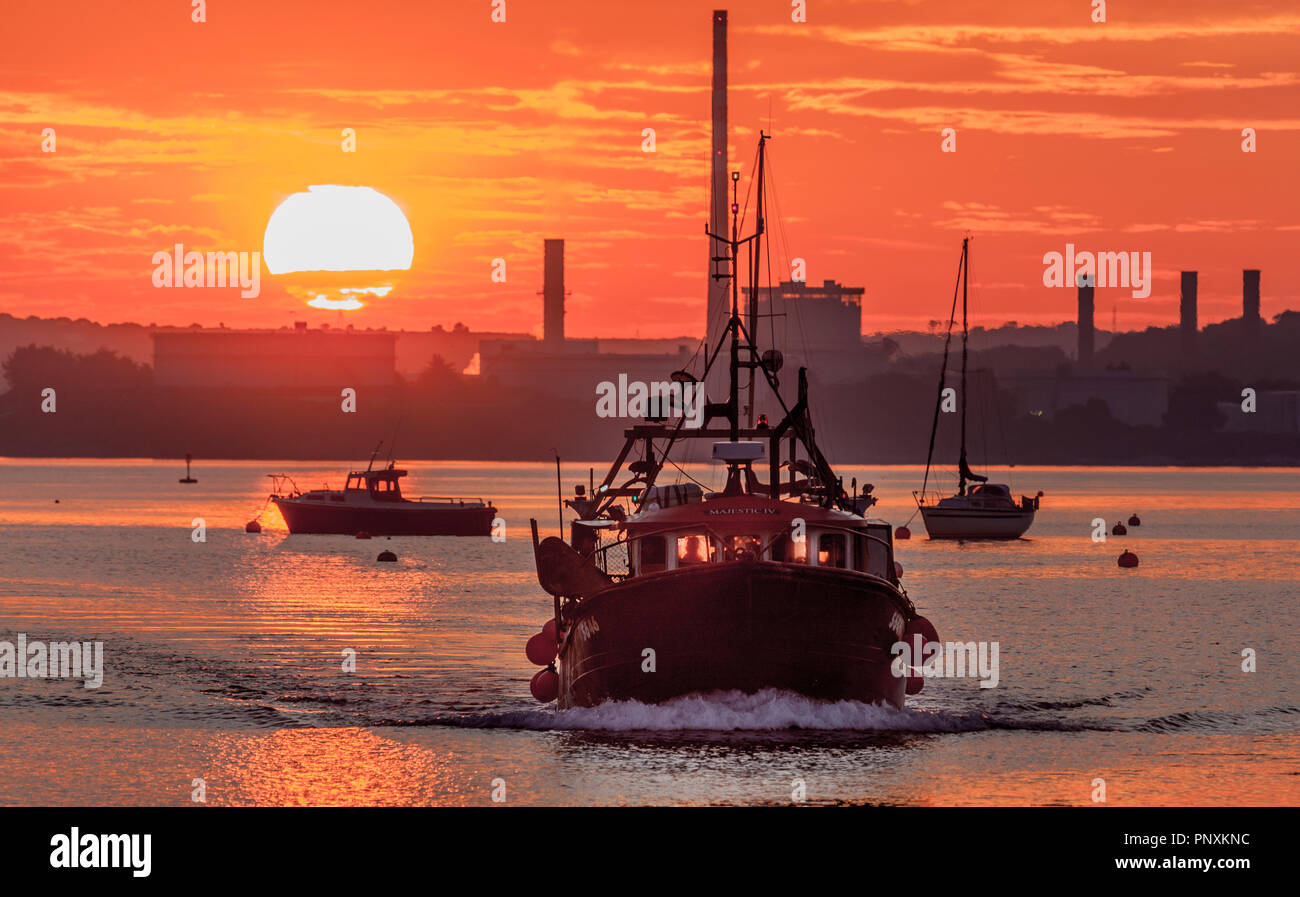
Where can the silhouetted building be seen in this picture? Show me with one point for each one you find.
(806, 320)
(553, 291)
(1187, 314)
(571, 368)
(1276, 411)
(528, 366)
(1250, 300)
(1136, 399)
(1087, 334)
(274, 359)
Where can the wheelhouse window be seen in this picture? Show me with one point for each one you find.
(653, 554)
(744, 548)
(871, 556)
(788, 550)
(832, 550)
(356, 483)
(694, 549)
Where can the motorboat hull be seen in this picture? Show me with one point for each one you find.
(744, 626)
(976, 523)
(401, 519)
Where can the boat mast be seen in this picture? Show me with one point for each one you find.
(731, 408)
(965, 278)
(943, 369)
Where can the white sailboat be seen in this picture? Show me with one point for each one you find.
(983, 510)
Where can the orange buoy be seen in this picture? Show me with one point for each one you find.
(898, 570)
(541, 650)
(1135, 520)
(252, 526)
(1118, 530)
(386, 556)
(918, 625)
(1128, 559)
(363, 535)
(545, 685)
(548, 630)
(902, 533)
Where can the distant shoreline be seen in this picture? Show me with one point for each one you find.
(600, 465)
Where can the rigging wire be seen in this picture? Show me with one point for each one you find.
(943, 373)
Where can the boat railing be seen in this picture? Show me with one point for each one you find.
(928, 497)
(447, 500)
(614, 557)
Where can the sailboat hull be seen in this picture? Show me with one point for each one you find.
(744, 626)
(976, 523)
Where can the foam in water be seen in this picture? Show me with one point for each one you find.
(767, 710)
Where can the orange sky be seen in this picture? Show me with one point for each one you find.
(1121, 136)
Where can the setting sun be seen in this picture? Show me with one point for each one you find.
(338, 229)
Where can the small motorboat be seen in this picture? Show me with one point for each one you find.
(372, 502)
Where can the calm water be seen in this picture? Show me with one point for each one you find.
(222, 658)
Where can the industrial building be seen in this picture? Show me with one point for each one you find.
(297, 359)
(569, 368)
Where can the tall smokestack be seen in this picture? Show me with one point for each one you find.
(1250, 300)
(1187, 313)
(553, 294)
(1086, 333)
(718, 311)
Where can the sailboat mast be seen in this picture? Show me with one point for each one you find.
(965, 277)
(734, 324)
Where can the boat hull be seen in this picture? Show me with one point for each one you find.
(962, 523)
(744, 626)
(405, 519)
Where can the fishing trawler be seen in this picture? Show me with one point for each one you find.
(371, 502)
(666, 589)
(984, 510)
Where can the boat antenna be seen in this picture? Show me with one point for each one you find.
(559, 492)
(374, 454)
(392, 448)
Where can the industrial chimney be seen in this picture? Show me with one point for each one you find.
(1250, 300)
(553, 295)
(1086, 333)
(718, 312)
(1187, 313)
